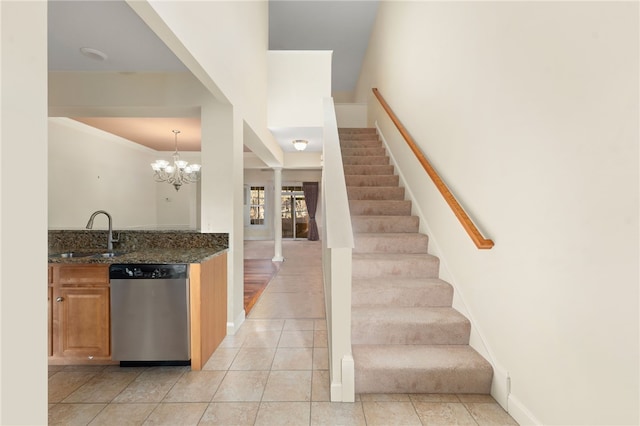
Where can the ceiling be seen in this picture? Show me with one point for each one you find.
(110, 26)
(341, 26)
(153, 132)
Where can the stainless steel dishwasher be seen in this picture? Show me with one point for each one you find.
(150, 314)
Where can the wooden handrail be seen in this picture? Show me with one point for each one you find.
(467, 223)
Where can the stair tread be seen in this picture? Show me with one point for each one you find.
(420, 369)
(367, 169)
(387, 282)
(364, 156)
(401, 291)
(375, 193)
(389, 234)
(390, 256)
(360, 175)
(382, 217)
(423, 357)
(380, 207)
(374, 187)
(380, 203)
(413, 315)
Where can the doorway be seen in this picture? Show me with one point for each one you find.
(295, 220)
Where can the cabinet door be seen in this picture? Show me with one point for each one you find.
(83, 315)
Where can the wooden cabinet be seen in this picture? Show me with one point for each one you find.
(208, 308)
(50, 312)
(80, 314)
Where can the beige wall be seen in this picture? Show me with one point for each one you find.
(90, 170)
(351, 115)
(23, 212)
(227, 41)
(530, 113)
(298, 81)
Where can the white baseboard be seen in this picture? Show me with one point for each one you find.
(233, 327)
(344, 391)
(336, 392)
(501, 387)
(520, 413)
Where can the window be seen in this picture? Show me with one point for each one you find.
(256, 205)
(294, 212)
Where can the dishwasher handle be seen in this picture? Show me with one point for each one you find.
(148, 271)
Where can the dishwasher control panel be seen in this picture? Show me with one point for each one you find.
(144, 271)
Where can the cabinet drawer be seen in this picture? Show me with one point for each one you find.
(82, 274)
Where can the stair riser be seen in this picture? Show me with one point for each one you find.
(364, 152)
(427, 296)
(420, 369)
(356, 130)
(360, 143)
(404, 267)
(380, 207)
(345, 137)
(369, 180)
(365, 160)
(410, 243)
(375, 193)
(385, 224)
(366, 332)
(458, 380)
(381, 169)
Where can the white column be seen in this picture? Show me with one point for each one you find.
(221, 200)
(277, 213)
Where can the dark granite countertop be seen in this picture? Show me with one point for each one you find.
(148, 256)
(144, 247)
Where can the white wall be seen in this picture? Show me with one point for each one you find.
(351, 115)
(228, 40)
(529, 111)
(298, 81)
(23, 212)
(93, 170)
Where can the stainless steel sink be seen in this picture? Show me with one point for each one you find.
(108, 254)
(76, 254)
(71, 254)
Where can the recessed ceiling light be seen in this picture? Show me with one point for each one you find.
(93, 53)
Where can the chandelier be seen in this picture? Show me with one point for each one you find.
(178, 173)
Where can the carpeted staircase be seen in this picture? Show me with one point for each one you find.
(406, 337)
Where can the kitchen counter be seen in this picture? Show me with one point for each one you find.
(137, 246)
(160, 256)
(84, 282)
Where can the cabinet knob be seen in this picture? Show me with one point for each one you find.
(59, 299)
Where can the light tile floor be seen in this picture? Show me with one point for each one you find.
(273, 371)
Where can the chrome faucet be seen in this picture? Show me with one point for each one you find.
(110, 239)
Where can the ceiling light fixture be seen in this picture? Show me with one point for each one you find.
(300, 144)
(92, 53)
(178, 173)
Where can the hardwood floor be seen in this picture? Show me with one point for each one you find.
(257, 274)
